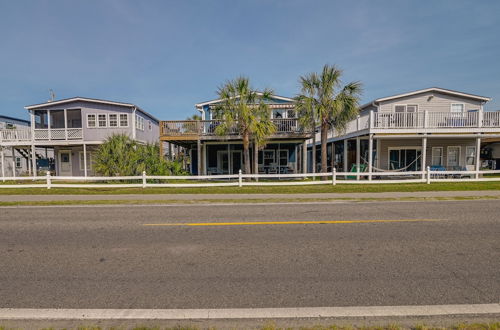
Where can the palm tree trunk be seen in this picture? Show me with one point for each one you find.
(324, 137)
(246, 153)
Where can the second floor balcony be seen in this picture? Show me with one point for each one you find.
(185, 129)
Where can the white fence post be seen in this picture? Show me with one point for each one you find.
(428, 174)
(334, 176)
(49, 181)
(143, 179)
(240, 179)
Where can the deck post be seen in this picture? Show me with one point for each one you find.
(255, 160)
(478, 156)
(33, 159)
(13, 161)
(358, 156)
(304, 157)
(29, 161)
(229, 160)
(334, 176)
(370, 157)
(84, 160)
(2, 156)
(198, 151)
(65, 124)
(428, 175)
(204, 156)
(424, 155)
(346, 146)
(170, 151)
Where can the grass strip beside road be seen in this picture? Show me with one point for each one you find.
(327, 188)
(236, 201)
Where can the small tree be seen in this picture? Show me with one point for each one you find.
(119, 155)
(245, 111)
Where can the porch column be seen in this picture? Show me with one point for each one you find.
(170, 151)
(2, 156)
(370, 157)
(229, 160)
(478, 156)
(346, 146)
(278, 156)
(13, 161)
(84, 160)
(65, 124)
(379, 152)
(33, 160)
(198, 151)
(358, 156)
(424, 156)
(49, 125)
(204, 163)
(28, 161)
(255, 158)
(304, 157)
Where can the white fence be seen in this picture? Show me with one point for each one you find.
(240, 180)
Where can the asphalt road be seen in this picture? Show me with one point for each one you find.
(105, 257)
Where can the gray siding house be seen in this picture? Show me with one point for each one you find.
(436, 127)
(74, 127)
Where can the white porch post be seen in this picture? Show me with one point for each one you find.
(478, 156)
(33, 159)
(84, 160)
(379, 152)
(358, 155)
(370, 157)
(424, 156)
(304, 157)
(65, 124)
(29, 161)
(3, 163)
(346, 146)
(204, 163)
(198, 151)
(49, 125)
(13, 161)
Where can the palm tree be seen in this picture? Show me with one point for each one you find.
(306, 105)
(245, 111)
(334, 105)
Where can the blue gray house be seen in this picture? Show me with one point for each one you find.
(74, 127)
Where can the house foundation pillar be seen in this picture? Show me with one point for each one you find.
(33, 160)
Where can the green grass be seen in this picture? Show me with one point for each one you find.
(327, 188)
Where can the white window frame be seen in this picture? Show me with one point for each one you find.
(402, 148)
(105, 120)
(89, 160)
(406, 107)
(120, 119)
(448, 154)
(441, 158)
(116, 120)
(463, 107)
(19, 164)
(95, 120)
(467, 155)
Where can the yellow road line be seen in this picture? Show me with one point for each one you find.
(253, 223)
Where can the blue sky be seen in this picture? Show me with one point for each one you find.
(165, 56)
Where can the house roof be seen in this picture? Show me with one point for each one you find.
(16, 119)
(431, 89)
(91, 100)
(277, 97)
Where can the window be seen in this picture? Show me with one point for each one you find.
(139, 122)
(123, 120)
(18, 162)
(470, 155)
(102, 122)
(89, 161)
(457, 107)
(10, 125)
(405, 159)
(150, 127)
(283, 159)
(113, 120)
(406, 108)
(453, 156)
(268, 157)
(437, 156)
(91, 120)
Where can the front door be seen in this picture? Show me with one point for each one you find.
(65, 163)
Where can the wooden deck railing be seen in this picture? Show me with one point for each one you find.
(208, 127)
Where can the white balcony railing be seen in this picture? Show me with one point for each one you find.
(55, 134)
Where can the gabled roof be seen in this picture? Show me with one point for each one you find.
(277, 97)
(16, 119)
(433, 89)
(87, 99)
